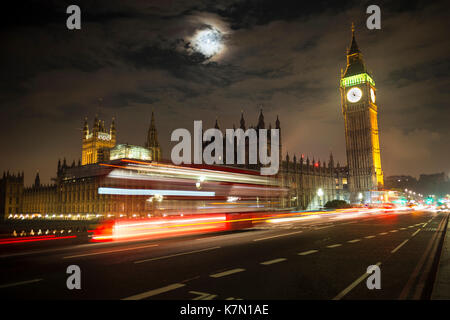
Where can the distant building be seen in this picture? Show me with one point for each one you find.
(11, 189)
(358, 100)
(303, 178)
(97, 142)
(126, 151)
(437, 184)
(75, 188)
(152, 142)
(400, 182)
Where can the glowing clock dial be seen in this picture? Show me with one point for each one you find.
(372, 95)
(354, 94)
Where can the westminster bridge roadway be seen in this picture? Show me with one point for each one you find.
(324, 257)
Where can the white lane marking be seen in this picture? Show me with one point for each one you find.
(415, 232)
(382, 234)
(324, 227)
(402, 228)
(109, 251)
(280, 235)
(175, 255)
(399, 246)
(226, 273)
(370, 237)
(353, 241)
(203, 295)
(19, 283)
(266, 263)
(155, 292)
(424, 225)
(393, 231)
(307, 252)
(334, 245)
(353, 285)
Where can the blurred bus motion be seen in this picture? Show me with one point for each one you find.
(157, 199)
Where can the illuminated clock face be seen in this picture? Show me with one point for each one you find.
(372, 95)
(354, 94)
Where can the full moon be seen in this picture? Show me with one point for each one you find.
(209, 42)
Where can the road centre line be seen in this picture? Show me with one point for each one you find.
(280, 235)
(155, 292)
(175, 255)
(109, 251)
(393, 231)
(266, 263)
(226, 273)
(399, 246)
(383, 233)
(370, 237)
(415, 232)
(334, 245)
(354, 240)
(352, 285)
(304, 253)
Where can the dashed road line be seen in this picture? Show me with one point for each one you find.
(399, 246)
(393, 231)
(370, 237)
(354, 241)
(266, 263)
(19, 283)
(353, 285)
(226, 273)
(334, 245)
(307, 252)
(415, 233)
(175, 255)
(155, 292)
(383, 233)
(279, 235)
(109, 251)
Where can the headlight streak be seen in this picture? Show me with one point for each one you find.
(188, 173)
(151, 192)
(221, 224)
(33, 239)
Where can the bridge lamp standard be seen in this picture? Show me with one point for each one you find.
(320, 194)
(360, 197)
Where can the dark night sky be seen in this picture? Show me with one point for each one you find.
(284, 55)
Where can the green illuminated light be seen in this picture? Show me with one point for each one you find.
(357, 79)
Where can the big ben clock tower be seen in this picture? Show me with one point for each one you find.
(358, 100)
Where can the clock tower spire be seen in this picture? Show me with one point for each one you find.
(358, 101)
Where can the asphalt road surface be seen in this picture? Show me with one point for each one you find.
(323, 257)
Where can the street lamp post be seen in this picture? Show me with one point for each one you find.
(360, 197)
(320, 194)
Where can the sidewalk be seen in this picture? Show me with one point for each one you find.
(441, 289)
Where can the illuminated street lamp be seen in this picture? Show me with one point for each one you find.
(360, 197)
(320, 194)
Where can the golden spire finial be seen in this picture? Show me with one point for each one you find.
(353, 27)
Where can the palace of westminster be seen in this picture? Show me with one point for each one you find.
(310, 183)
